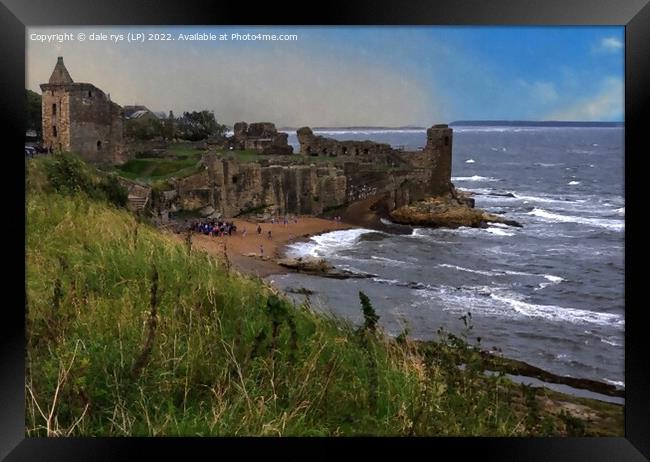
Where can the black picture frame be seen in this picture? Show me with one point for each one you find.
(15, 15)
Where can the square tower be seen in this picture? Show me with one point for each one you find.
(81, 118)
(438, 149)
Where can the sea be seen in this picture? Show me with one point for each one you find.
(550, 293)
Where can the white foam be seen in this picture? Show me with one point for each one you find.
(386, 281)
(473, 178)
(614, 225)
(573, 183)
(621, 210)
(558, 313)
(498, 231)
(468, 270)
(541, 164)
(538, 199)
(553, 279)
(520, 273)
(609, 341)
(327, 243)
(616, 383)
(470, 161)
(390, 261)
(509, 305)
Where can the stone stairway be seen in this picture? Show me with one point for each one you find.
(137, 203)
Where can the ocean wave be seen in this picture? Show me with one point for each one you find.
(557, 313)
(553, 279)
(468, 270)
(545, 199)
(390, 261)
(391, 282)
(327, 243)
(498, 231)
(609, 341)
(614, 225)
(573, 183)
(470, 161)
(474, 178)
(549, 277)
(490, 301)
(616, 383)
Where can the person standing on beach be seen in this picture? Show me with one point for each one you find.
(270, 235)
(261, 250)
(243, 232)
(259, 229)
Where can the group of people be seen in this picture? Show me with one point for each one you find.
(214, 228)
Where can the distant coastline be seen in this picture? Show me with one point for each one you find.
(478, 123)
(532, 123)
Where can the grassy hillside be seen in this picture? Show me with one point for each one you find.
(131, 333)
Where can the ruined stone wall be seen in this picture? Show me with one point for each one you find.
(232, 188)
(363, 151)
(262, 137)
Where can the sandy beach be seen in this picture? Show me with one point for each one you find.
(244, 252)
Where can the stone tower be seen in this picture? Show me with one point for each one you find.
(81, 118)
(438, 150)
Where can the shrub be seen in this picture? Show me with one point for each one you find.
(68, 174)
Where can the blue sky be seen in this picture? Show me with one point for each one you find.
(357, 75)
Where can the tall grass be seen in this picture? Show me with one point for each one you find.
(132, 333)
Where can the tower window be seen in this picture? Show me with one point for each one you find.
(446, 141)
(99, 145)
(54, 109)
(90, 94)
(54, 130)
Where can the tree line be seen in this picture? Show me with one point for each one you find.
(191, 126)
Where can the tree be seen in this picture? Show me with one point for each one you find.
(145, 128)
(33, 112)
(195, 126)
(169, 127)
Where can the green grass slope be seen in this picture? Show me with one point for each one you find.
(131, 333)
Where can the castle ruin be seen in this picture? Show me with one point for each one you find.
(355, 170)
(81, 118)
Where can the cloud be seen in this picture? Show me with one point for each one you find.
(609, 45)
(288, 84)
(606, 105)
(542, 92)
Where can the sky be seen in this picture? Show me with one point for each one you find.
(350, 76)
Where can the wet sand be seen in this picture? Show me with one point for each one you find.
(255, 254)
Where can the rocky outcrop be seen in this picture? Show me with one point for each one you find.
(320, 267)
(449, 211)
(307, 264)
